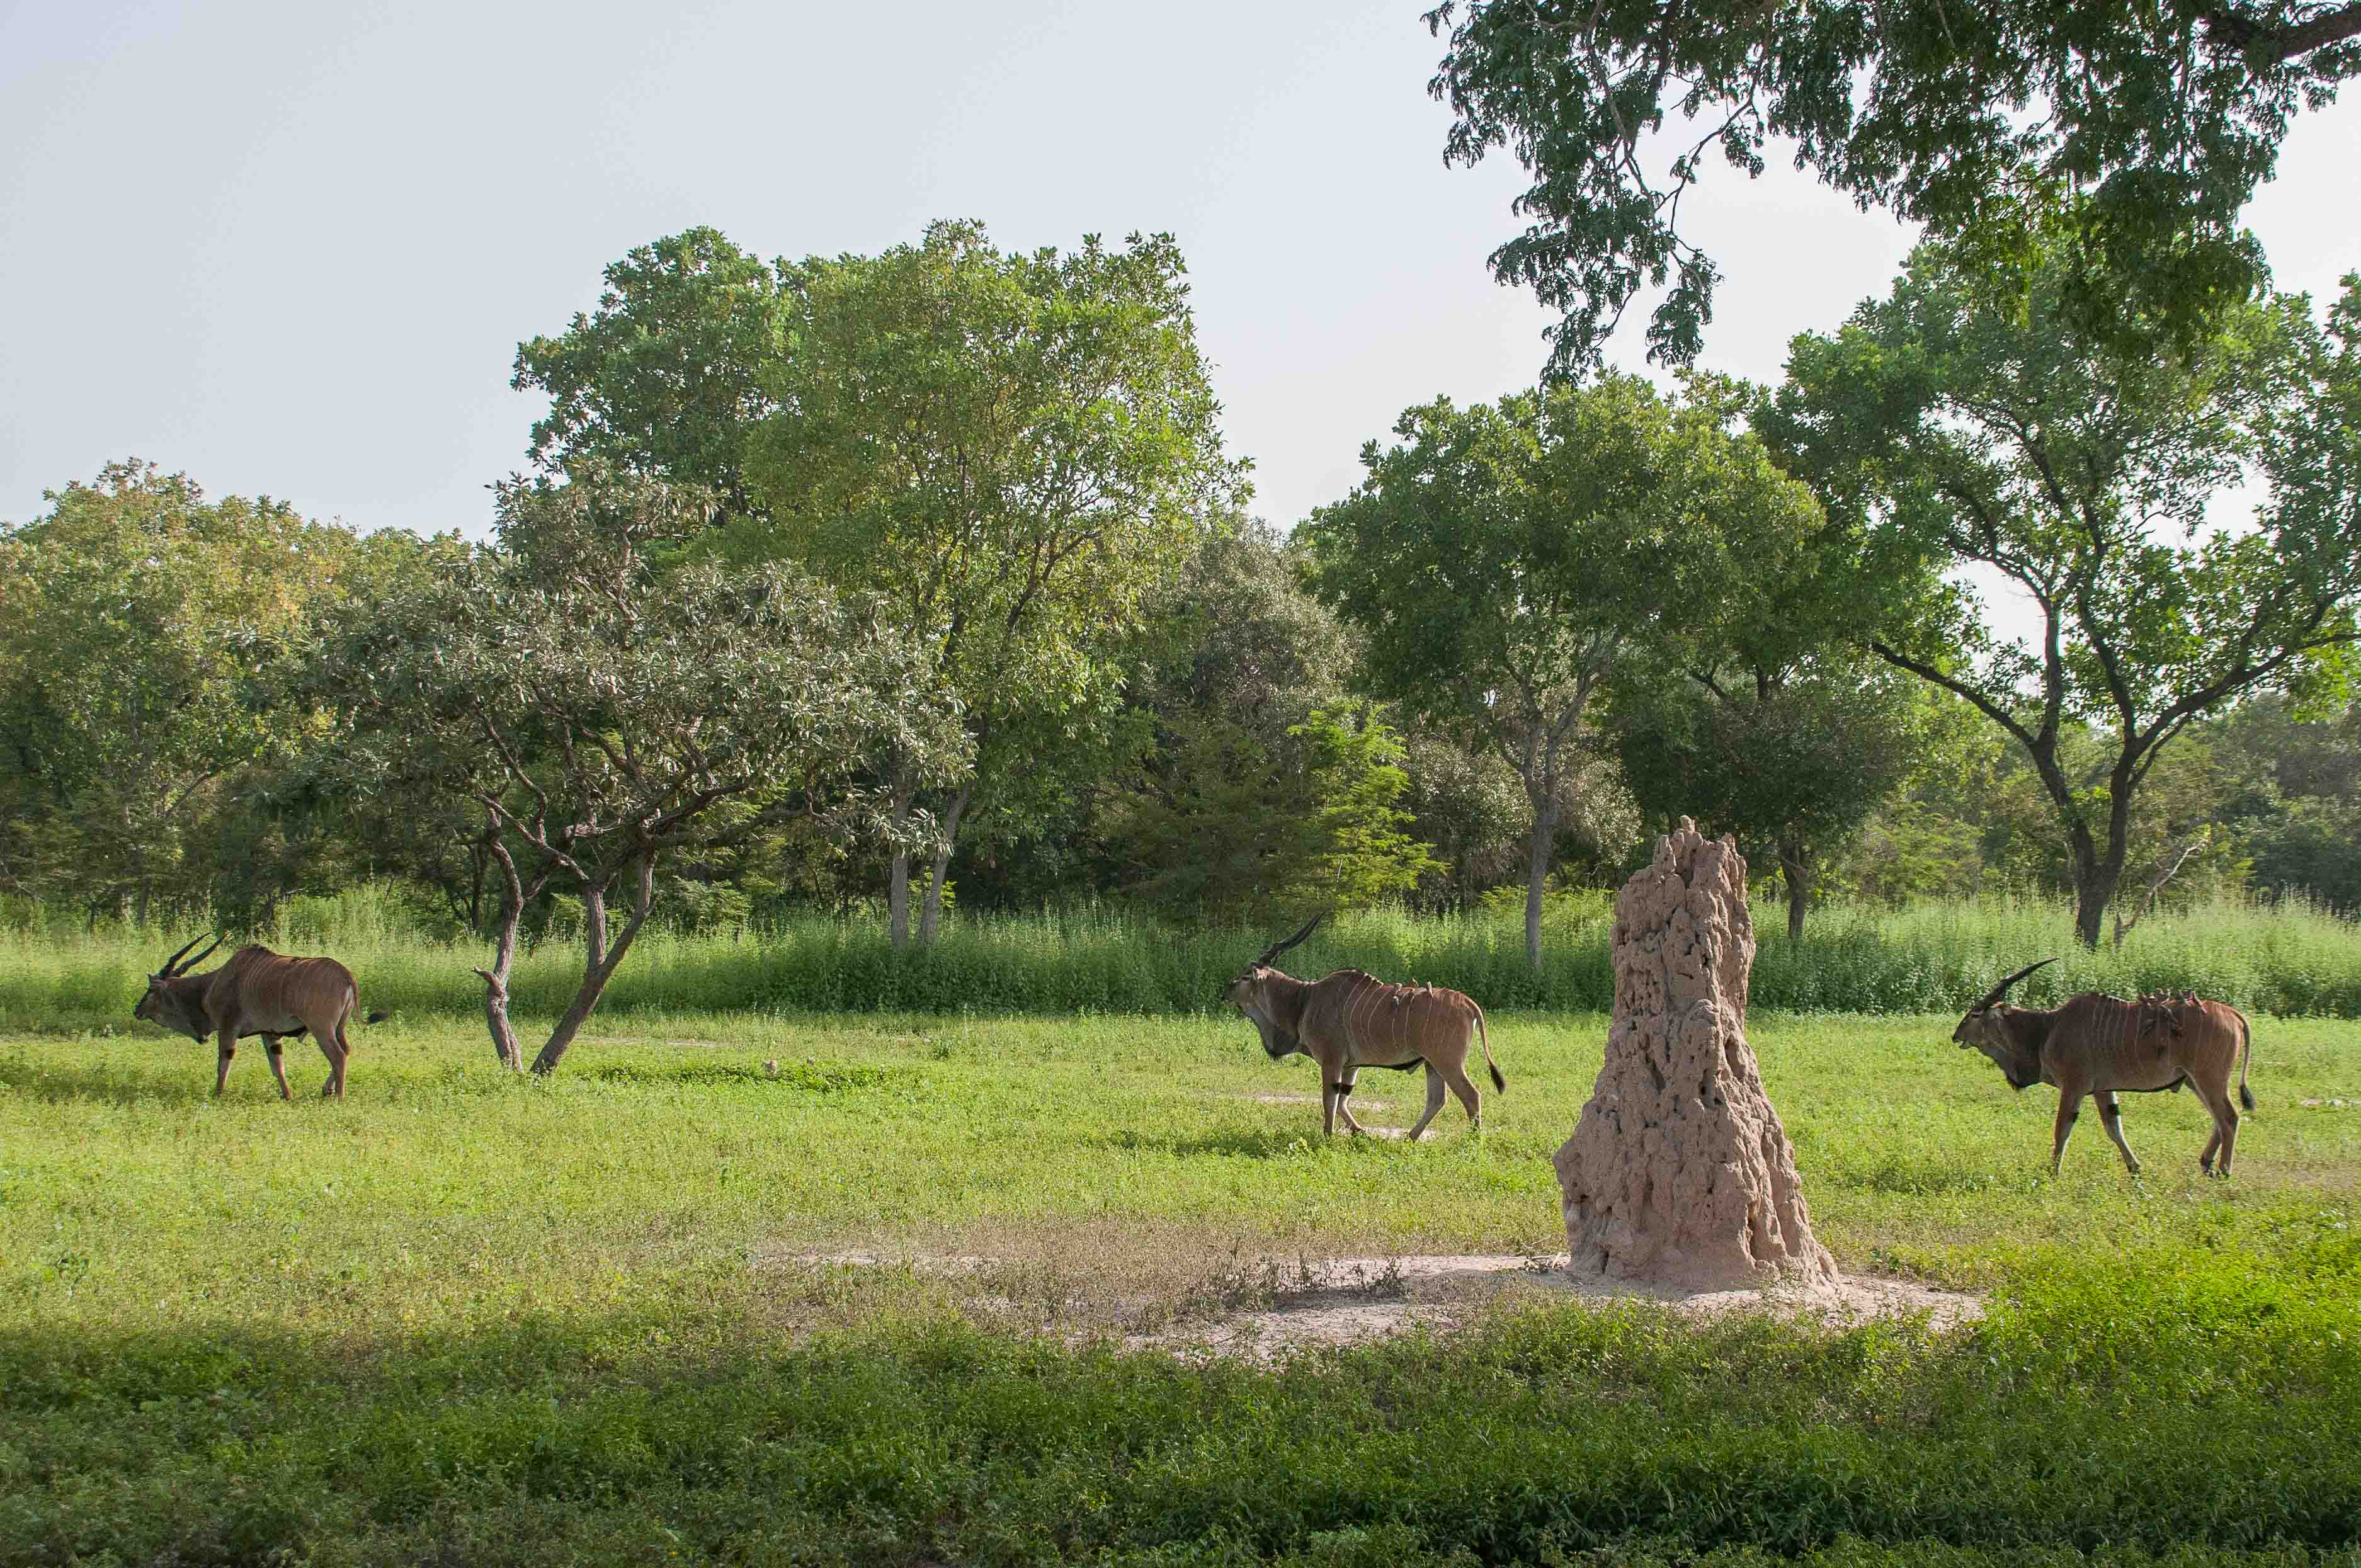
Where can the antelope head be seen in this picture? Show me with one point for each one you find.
(175, 1007)
(1250, 995)
(1986, 1028)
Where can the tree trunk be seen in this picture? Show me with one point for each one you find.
(603, 959)
(1795, 871)
(1537, 866)
(496, 979)
(2098, 875)
(932, 912)
(897, 878)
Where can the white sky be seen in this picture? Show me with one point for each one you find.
(290, 248)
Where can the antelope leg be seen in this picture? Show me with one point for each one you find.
(1434, 1092)
(2213, 1107)
(1344, 1093)
(222, 1053)
(273, 1050)
(2112, 1119)
(2068, 1107)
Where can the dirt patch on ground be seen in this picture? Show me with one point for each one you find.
(1356, 1299)
(1265, 1308)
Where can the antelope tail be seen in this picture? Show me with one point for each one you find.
(1483, 1037)
(2246, 1060)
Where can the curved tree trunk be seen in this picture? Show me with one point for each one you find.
(496, 979)
(602, 958)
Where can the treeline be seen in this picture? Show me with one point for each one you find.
(904, 580)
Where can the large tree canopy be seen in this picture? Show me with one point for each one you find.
(144, 634)
(1503, 556)
(664, 379)
(1013, 449)
(1994, 434)
(2153, 122)
(584, 711)
(1264, 793)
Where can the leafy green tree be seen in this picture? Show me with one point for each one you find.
(1235, 826)
(145, 636)
(1260, 785)
(1015, 450)
(2293, 779)
(1790, 757)
(666, 378)
(584, 714)
(1502, 557)
(1993, 433)
(2153, 124)
(1467, 802)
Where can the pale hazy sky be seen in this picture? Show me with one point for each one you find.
(290, 248)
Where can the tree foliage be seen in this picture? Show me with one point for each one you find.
(1013, 449)
(1262, 792)
(1992, 432)
(1790, 759)
(666, 378)
(1236, 826)
(1502, 557)
(145, 638)
(584, 711)
(2152, 123)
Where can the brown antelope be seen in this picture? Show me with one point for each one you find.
(2100, 1045)
(1352, 1020)
(257, 993)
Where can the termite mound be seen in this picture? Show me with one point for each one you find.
(1679, 1172)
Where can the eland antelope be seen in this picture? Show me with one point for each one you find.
(2101, 1046)
(1352, 1020)
(258, 992)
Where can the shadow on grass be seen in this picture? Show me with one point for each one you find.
(1240, 1142)
(806, 1078)
(1923, 1178)
(112, 1086)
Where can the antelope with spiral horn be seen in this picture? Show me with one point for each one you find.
(1352, 1020)
(258, 992)
(2101, 1046)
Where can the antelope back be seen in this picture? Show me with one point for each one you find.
(1354, 1004)
(263, 985)
(2119, 1042)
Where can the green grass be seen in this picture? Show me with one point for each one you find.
(464, 1317)
(1931, 957)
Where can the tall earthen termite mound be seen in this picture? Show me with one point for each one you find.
(1679, 1172)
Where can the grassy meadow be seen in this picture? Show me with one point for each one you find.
(464, 1318)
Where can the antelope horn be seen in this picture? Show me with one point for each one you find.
(2002, 988)
(170, 972)
(166, 970)
(1278, 947)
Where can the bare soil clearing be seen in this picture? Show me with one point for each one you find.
(1319, 1303)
